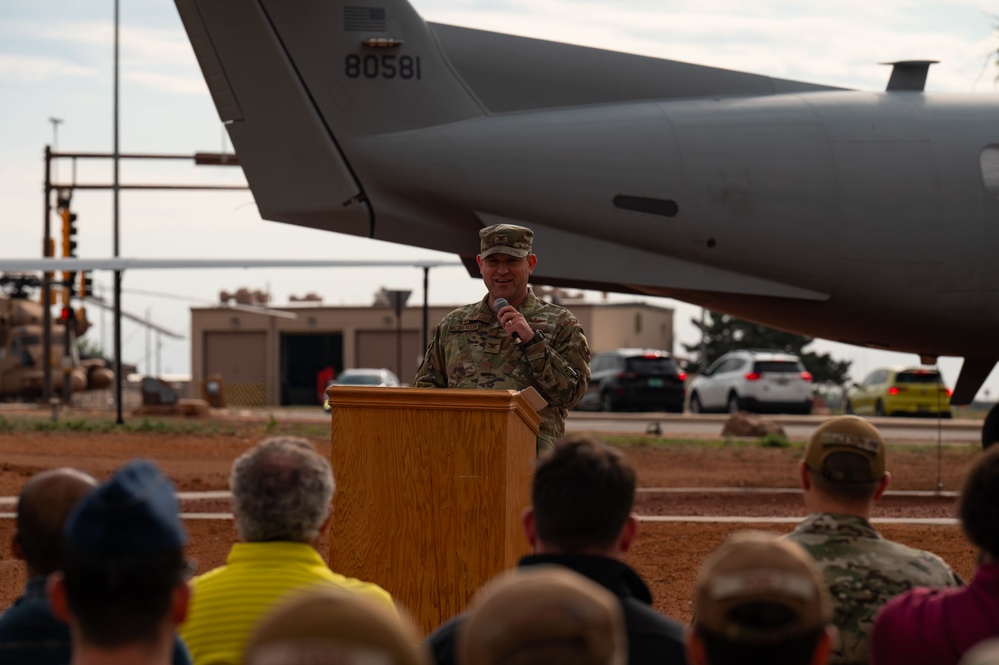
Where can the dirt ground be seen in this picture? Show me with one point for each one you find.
(667, 553)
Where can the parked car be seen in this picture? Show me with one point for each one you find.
(899, 391)
(635, 379)
(364, 377)
(755, 381)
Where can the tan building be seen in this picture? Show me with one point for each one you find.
(267, 360)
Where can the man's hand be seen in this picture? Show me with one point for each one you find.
(513, 322)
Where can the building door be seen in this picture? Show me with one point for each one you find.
(383, 348)
(238, 357)
(304, 356)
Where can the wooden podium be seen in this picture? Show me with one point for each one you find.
(430, 488)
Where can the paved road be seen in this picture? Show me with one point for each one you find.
(911, 430)
(798, 428)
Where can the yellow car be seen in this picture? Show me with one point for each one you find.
(904, 391)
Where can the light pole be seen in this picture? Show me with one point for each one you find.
(398, 300)
(55, 142)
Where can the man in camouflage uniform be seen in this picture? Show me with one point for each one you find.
(842, 476)
(528, 342)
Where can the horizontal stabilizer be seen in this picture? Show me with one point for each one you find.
(639, 270)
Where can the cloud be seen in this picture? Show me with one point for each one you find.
(170, 83)
(159, 57)
(40, 68)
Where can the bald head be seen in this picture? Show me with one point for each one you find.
(42, 507)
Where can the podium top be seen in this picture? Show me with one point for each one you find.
(458, 399)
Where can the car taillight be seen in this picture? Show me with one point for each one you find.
(682, 375)
(807, 376)
(894, 390)
(753, 376)
(947, 391)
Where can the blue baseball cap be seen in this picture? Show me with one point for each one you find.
(134, 513)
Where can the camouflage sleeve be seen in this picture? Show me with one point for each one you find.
(561, 363)
(431, 372)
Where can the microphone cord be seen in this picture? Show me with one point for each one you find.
(499, 304)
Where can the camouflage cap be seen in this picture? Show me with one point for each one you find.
(543, 614)
(505, 239)
(333, 627)
(848, 435)
(753, 568)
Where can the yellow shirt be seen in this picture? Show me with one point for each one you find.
(227, 602)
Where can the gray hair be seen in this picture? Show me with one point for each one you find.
(281, 490)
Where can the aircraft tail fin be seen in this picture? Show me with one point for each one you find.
(295, 81)
(372, 66)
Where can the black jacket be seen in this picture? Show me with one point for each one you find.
(652, 637)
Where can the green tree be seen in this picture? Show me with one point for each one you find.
(723, 333)
(88, 348)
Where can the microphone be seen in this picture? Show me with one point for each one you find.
(499, 304)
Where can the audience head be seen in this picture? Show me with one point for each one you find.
(543, 615)
(978, 507)
(845, 460)
(581, 497)
(124, 575)
(983, 653)
(42, 507)
(760, 598)
(330, 627)
(281, 490)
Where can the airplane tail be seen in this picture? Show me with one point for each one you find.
(295, 81)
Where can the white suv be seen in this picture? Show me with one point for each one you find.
(753, 381)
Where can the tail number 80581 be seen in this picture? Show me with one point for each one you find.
(382, 67)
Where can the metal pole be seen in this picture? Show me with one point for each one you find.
(426, 305)
(47, 284)
(149, 336)
(118, 367)
(704, 342)
(398, 344)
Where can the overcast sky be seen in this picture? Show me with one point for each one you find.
(56, 61)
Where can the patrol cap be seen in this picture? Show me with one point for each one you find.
(752, 568)
(849, 435)
(333, 627)
(133, 514)
(547, 615)
(505, 239)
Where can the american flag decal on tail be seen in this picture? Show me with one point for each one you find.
(364, 19)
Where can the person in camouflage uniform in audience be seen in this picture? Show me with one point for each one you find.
(527, 342)
(842, 476)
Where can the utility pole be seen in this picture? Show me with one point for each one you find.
(119, 418)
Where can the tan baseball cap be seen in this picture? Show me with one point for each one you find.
(544, 615)
(330, 627)
(753, 567)
(505, 239)
(850, 435)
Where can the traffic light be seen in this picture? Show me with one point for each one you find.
(86, 284)
(68, 232)
(68, 284)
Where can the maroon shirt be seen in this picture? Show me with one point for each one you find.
(936, 626)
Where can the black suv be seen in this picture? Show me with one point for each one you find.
(635, 379)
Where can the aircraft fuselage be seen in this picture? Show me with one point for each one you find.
(848, 205)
